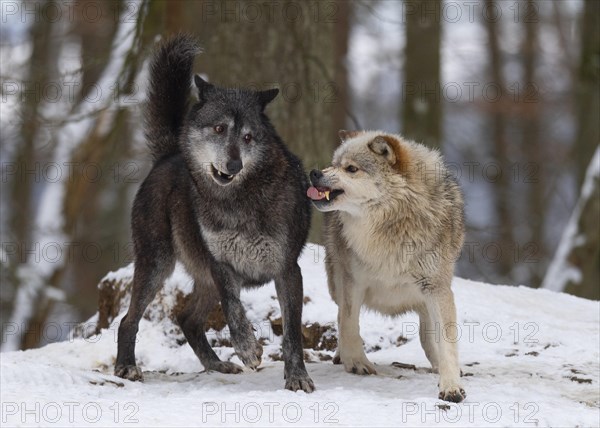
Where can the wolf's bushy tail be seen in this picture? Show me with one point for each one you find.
(168, 94)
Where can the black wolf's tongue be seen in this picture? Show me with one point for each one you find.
(314, 194)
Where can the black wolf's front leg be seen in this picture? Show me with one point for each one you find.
(289, 292)
(242, 334)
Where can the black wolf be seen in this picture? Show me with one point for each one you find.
(227, 199)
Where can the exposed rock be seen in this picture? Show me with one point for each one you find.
(115, 297)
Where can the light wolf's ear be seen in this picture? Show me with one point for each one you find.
(346, 135)
(203, 87)
(383, 146)
(265, 97)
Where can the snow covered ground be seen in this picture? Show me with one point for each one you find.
(529, 358)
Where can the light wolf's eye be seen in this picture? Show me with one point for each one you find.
(351, 169)
(219, 129)
(248, 138)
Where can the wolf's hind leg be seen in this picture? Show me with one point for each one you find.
(192, 321)
(243, 340)
(429, 333)
(336, 357)
(201, 266)
(148, 278)
(440, 305)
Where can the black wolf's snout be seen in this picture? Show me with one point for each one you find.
(315, 175)
(234, 166)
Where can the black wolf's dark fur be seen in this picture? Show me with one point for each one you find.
(243, 233)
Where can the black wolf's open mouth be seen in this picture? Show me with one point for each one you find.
(221, 177)
(319, 193)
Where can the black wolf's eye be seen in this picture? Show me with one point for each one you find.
(247, 138)
(219, 129)
(351, 169)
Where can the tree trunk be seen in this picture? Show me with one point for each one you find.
(23, 181)
(534, 151)
(27, 180)
(588, 88)
(422, 112)
(498, 117)
(96, 36)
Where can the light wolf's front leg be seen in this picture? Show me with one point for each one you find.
(442, 312)
(350, 347)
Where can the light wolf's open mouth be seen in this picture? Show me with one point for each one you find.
(220, 177)
(319, 193)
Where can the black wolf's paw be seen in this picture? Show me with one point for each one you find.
(250, 353)
(132, 372)
(223, 367)
(299, 382)
(454, 395)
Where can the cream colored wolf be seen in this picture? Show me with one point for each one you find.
(394, 227)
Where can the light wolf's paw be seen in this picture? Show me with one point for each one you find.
(299, 381)
(358, 365)
(223, 367)
(131, 372)
(250, 352)
(454, 394)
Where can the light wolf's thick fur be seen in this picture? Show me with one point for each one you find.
(394, 227)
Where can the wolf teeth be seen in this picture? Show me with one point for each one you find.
(227, 176)
(327, 192)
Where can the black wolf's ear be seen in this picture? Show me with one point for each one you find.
(346, 135)
(265, 97)
(383, 147)
(203, 87)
